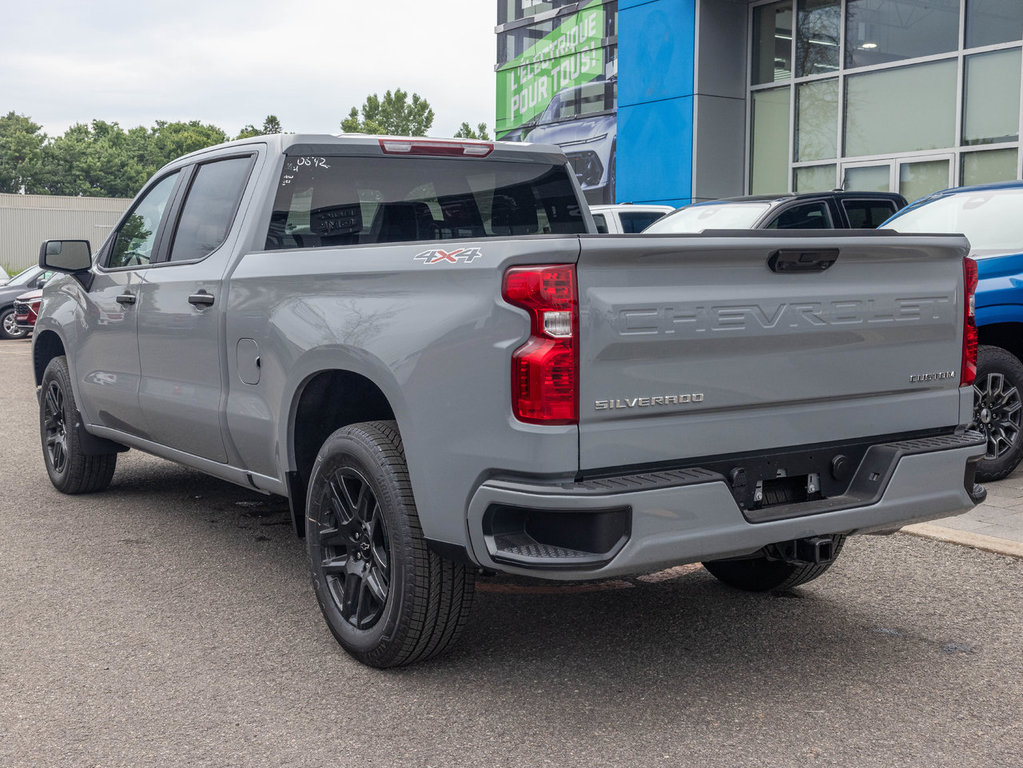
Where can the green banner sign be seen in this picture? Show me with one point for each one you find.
(570, 55)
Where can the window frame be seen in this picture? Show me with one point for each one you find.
(959, 54)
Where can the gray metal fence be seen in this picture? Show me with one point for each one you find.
(28, 220)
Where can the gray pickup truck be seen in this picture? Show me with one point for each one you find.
(426, 348)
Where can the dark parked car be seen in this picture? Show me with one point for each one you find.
(27, 280)
(811, 210)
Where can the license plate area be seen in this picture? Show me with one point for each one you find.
(786, 490)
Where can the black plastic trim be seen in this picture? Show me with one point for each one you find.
(297, 489)
(454, 553)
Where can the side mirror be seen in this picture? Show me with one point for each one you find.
(66, 255)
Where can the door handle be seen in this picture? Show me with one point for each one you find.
(201, 299)
(125, 298)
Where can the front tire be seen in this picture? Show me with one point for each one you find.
(997, 410)
(8, 329)
(388, 600)
(759, 574)
(70, 469)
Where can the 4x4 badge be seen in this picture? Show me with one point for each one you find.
(436, 256)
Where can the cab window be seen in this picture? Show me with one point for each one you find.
(136, 238)
(868, 214)
(210, 207)
(804, 216)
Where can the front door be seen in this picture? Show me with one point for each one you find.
(107, 356)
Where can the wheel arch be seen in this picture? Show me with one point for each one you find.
(325, 401)
(46, 345)
(1007, 335)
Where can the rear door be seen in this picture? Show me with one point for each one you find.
(694, 346)
(181, 306)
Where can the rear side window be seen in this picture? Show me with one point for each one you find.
(637, 221)
(601, 223)
(868, 214)
(209, 208)
(333, 201)
(804, 216)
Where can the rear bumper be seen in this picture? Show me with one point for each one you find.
(655, 520)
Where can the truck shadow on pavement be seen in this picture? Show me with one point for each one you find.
(680, 628)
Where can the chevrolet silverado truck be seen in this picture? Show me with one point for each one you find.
(425, 346)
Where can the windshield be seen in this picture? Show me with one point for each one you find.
(24, 276)
(590, 99)
(697, 218)
(989, 218)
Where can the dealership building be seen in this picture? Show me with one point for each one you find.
(676, 101)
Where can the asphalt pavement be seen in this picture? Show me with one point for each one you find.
(169, 621)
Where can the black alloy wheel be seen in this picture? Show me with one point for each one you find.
(388, 599)
(54, 427)
(70, 468)
(998, 410)
(354, 551)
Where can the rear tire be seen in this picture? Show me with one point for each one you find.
(997, 411)
(8, 330)
(388, 599)
(758, 574)
(70, 470)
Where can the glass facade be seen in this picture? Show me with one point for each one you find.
(893, 95)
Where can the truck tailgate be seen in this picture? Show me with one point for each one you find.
(696, 346)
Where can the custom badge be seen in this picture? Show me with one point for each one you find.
(456, 256)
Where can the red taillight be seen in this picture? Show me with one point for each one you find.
(436, 148)
(545, 370)
(969, 323)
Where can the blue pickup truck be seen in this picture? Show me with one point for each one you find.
(990, 216)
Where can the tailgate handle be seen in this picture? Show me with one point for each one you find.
(802, 261)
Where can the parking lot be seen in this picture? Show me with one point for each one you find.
(170, 621)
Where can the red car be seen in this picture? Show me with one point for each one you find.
(26, 309)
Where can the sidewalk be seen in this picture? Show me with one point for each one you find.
(995, 526)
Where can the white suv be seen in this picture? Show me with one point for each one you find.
(626, 218)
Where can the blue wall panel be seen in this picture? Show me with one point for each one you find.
(656, 43)
(655, 152)
(656, 47)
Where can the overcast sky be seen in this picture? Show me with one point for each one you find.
(230, 63)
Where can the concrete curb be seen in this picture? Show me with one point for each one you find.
(966, 539)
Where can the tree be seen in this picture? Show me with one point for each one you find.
(465, 131)
(104, 160)
(394, 114)
(100, 159)
(21, 143)
(270, 125)
(172, 140)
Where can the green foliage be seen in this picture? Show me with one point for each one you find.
(104, 160)
(395, 114)
(21, 144)
(465, 131)
(270, 125)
